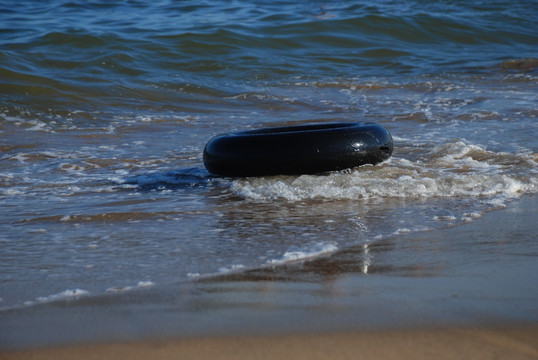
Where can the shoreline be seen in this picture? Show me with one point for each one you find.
(513, 342)
(438, 297)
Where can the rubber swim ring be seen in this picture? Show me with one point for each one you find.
(303, 149)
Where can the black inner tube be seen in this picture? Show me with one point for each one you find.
(302, 149)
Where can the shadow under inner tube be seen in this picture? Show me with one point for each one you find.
(294, 150)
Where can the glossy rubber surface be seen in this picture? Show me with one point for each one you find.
(304, 149)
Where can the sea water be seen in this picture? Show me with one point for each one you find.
(105, 108)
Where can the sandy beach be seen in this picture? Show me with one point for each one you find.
(455, 343)
(297, 312)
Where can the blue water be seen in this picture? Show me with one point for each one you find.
(105, 108)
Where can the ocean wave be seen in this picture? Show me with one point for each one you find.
(150, 42)
(449, 170)
(66, 295)
(305, 252)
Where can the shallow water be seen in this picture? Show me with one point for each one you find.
(105, 110)
(478, 275)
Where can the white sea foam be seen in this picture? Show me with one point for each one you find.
(401, 231)
(304, 252)
(232, 268)
(470, 216)
(11, 192)
(19, 157)
(292, 254)
(70, 294)
(449, 170)
(139, 285)
(38, 126)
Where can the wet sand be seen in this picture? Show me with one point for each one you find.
(434, 301)
(455, 343)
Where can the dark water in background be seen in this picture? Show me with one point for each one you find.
(105, 108)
